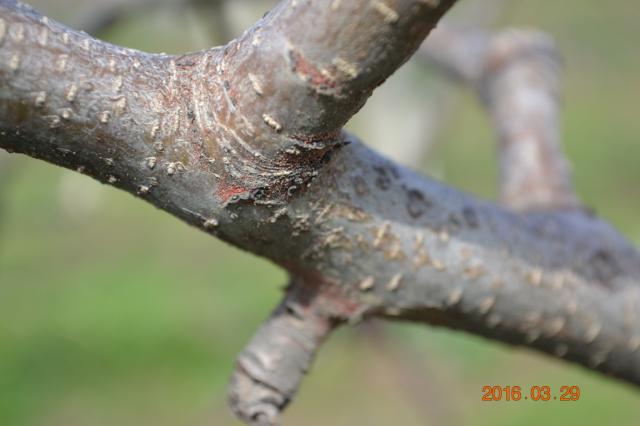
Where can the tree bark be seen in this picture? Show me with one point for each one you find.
(245, 142)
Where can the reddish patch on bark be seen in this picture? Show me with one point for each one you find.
(226, 192)
(310, 72)
(197, 157)
(313, 289)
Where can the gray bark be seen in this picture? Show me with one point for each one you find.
(244, 142)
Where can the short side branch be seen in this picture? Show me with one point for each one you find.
(273, 364)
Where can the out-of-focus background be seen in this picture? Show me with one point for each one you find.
(115, 313)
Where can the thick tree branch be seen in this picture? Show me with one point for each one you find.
(243, 141)
(254, 115)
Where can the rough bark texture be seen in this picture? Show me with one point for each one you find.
(244, 141)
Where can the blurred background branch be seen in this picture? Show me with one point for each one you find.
(516, 74)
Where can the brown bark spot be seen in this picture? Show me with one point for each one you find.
(318, 80)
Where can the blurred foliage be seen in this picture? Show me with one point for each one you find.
(112, 312)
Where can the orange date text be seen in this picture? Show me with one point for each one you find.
(530, 393)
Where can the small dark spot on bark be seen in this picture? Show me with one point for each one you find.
(454, 220)
(417, 203)
(605, 266)
(470, 216)
(454, 223)
(259, 193)
(185, 62)
(291, 190)
(294, 310)
(383, 181)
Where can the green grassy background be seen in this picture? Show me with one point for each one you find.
(115, 313)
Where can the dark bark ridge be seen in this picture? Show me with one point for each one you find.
(245, 142)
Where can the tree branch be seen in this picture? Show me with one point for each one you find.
(272, 366)
(244, 142)
(516, 74)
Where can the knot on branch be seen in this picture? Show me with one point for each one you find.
(255, 155)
